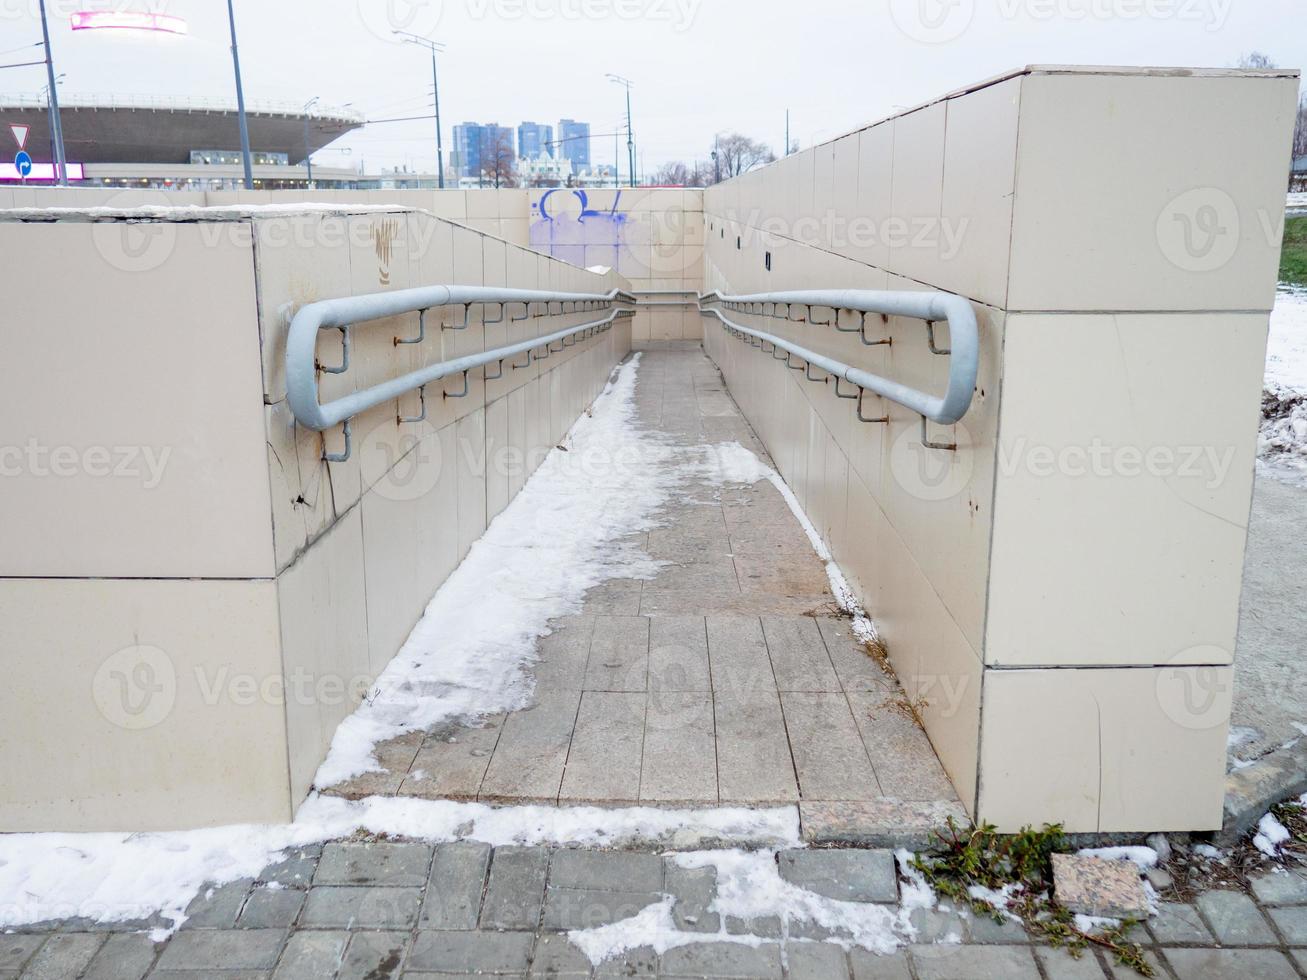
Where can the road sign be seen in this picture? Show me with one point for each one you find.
(20, 134)
(23, 163)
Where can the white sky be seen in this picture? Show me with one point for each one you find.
(699, 66)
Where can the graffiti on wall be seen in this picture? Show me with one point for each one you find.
(568, 224)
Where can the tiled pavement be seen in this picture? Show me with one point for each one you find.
(378, 910)
(727, 679)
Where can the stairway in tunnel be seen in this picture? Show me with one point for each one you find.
(731, 677)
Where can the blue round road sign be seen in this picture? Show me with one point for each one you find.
(23, 163)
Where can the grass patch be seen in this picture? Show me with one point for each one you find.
(1022, 863)
(1293, 256)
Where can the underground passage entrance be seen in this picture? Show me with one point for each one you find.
(729, 676)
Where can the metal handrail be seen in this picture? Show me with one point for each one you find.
(343, 313)
(691, 297)
(932, 307)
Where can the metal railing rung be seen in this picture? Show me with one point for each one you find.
(354, 312)
(932, 307)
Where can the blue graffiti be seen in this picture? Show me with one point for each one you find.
(584, 199)
(586, 236)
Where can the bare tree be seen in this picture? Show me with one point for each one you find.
(499, 162)
(1255, 59)
(675, 173)
(701, 175)
(738, 154)
(1300, 130)
(679, 174)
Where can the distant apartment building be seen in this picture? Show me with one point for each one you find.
(475, 144)
(574, 143)
(533, 139)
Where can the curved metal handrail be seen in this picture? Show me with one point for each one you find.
(963, 350)
(345, 312)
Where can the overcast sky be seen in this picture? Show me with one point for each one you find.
(699, 66)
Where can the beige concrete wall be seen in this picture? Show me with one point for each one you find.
(652, 236)
(1061, 592)
(190, 599)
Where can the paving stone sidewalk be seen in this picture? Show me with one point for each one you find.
(381, 909)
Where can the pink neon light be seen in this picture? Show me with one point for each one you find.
(40, 171)
(84, 20)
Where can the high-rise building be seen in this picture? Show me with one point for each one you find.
(465, 158)
(574, 143)
(534, 139)
(475, 146)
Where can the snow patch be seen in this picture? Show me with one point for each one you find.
(1270, 835)
(1143, 857)
(561, 535)
(998, 898)
(732, 463)
(1282, 440)
(125, 877)
(750, 887)
(1094, 923)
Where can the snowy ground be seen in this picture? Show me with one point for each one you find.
(470, 655)
(1282, 448)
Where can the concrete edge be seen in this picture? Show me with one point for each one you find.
(886, 823)
(1252, 790)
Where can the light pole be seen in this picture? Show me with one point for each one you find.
(240, 100)
(56, 125)
(433, 47)
(308, 157)
(630, 143)
(50, 113)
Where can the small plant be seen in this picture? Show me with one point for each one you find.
(911, 708)
(979, 868)
(1293, 815)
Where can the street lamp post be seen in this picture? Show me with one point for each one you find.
(630, 143)
(54, 153)
(308, 156)
(433, 47)
(240, 100)
(56, 125)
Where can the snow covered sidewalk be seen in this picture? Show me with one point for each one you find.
(692, 647)
(642, 625)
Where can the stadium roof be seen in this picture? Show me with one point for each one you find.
(147, 129)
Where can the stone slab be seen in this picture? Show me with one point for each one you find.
(1094, 886)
